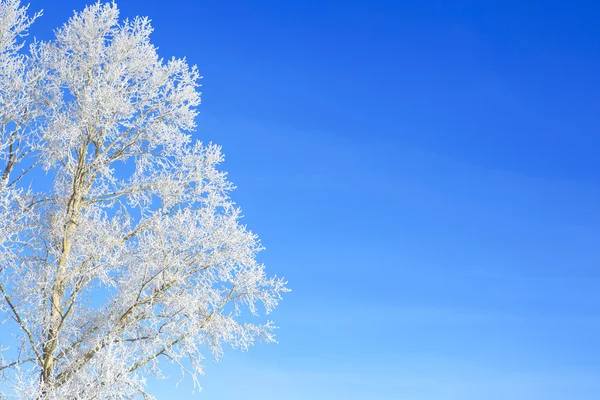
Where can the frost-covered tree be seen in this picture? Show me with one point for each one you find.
(120, 248)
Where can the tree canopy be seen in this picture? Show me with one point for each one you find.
(132, 252)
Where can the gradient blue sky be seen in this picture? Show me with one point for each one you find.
(426, 176)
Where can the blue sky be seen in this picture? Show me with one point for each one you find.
(426, 176)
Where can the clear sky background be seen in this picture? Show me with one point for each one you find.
(426, 176)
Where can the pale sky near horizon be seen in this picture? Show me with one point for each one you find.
(425, 176)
